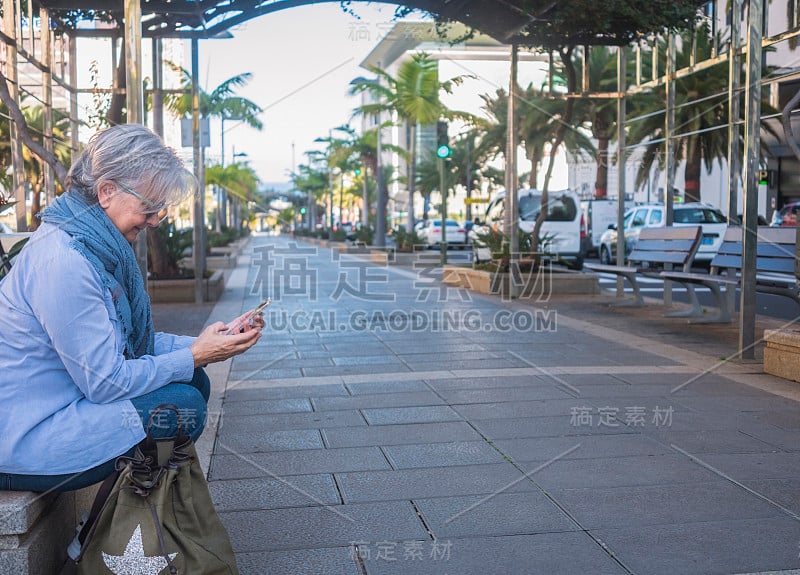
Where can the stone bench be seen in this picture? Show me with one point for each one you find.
(35, 529)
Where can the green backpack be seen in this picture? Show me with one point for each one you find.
(154, 516)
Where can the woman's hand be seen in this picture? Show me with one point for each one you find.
(214, 344)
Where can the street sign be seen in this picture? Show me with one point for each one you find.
(476, 200)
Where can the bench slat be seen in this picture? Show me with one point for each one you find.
(664, 245)
(657, 257)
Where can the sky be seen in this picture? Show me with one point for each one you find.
(302, 60)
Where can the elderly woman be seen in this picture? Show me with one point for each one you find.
(81, 368)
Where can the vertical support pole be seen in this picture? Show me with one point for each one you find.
(621, 87)
(734, 85)
(752, 141)
(734, 154)
(585, 75)
(11, 25)
(468, 182)
(198, 237)
(380, 217)
(669, 144)
(47, 99)
(412, 176)
(443, 238)
(512, 201)
(133, 96)
(73, 96)
(158, 86)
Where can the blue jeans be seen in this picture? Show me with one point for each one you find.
(190, 398)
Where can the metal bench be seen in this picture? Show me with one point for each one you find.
(657, 250)
(775, 268)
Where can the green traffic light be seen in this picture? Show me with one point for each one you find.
(443, 151)
(303, 211)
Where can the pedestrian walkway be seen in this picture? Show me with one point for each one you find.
(388, 424)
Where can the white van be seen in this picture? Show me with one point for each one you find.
(564, 226)
(599, 214)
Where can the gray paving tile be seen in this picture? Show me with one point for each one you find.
(261, 493)
(300, 462)
(770, 403)
(252, 441)
(499, 363)
(431, 482)
(784, 492)
(742, 466)
(710, 548)
(504, 514)
(501, 394)
(313, 527)
(387, 387)
(355, 369)
(487, 382)
(781, 439)
(509, 409)
(366, 360)
(442, 454)
(610, 507)
(289, 405)
(701, 442)
(401, 415)
(338, 560)
(287, 421)
(377, 400)
(267, 392)
(785, 420)
(622, 390)
(552, 426)
(548, 553)
(579, 447)
(255, 374)
(399, 434)
(618, 471)
(279, 362)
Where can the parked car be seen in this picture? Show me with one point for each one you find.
(599, 214)
(564, 227)
(431, 233)
(786, 216)
(710, 218)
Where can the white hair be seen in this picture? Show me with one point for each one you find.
(136, 157)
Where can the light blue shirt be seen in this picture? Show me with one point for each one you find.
(65, 386)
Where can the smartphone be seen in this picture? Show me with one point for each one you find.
(239, 328)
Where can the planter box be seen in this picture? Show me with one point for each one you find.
(182, 290)
(537, 286)
(782, 353)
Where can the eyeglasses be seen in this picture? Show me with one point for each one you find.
(153, 208)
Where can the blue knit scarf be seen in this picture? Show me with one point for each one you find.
(96, 238)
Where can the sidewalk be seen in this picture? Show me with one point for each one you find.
(387, 424)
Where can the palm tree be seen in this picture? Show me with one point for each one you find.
(701, 118)
(312, 180)
(601, 114)
(539, 120)
(221, 102)
(414, 95)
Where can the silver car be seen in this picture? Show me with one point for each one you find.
(710, 218)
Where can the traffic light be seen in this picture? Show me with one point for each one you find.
(442, 141)
(358, 171)
(302, 211)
